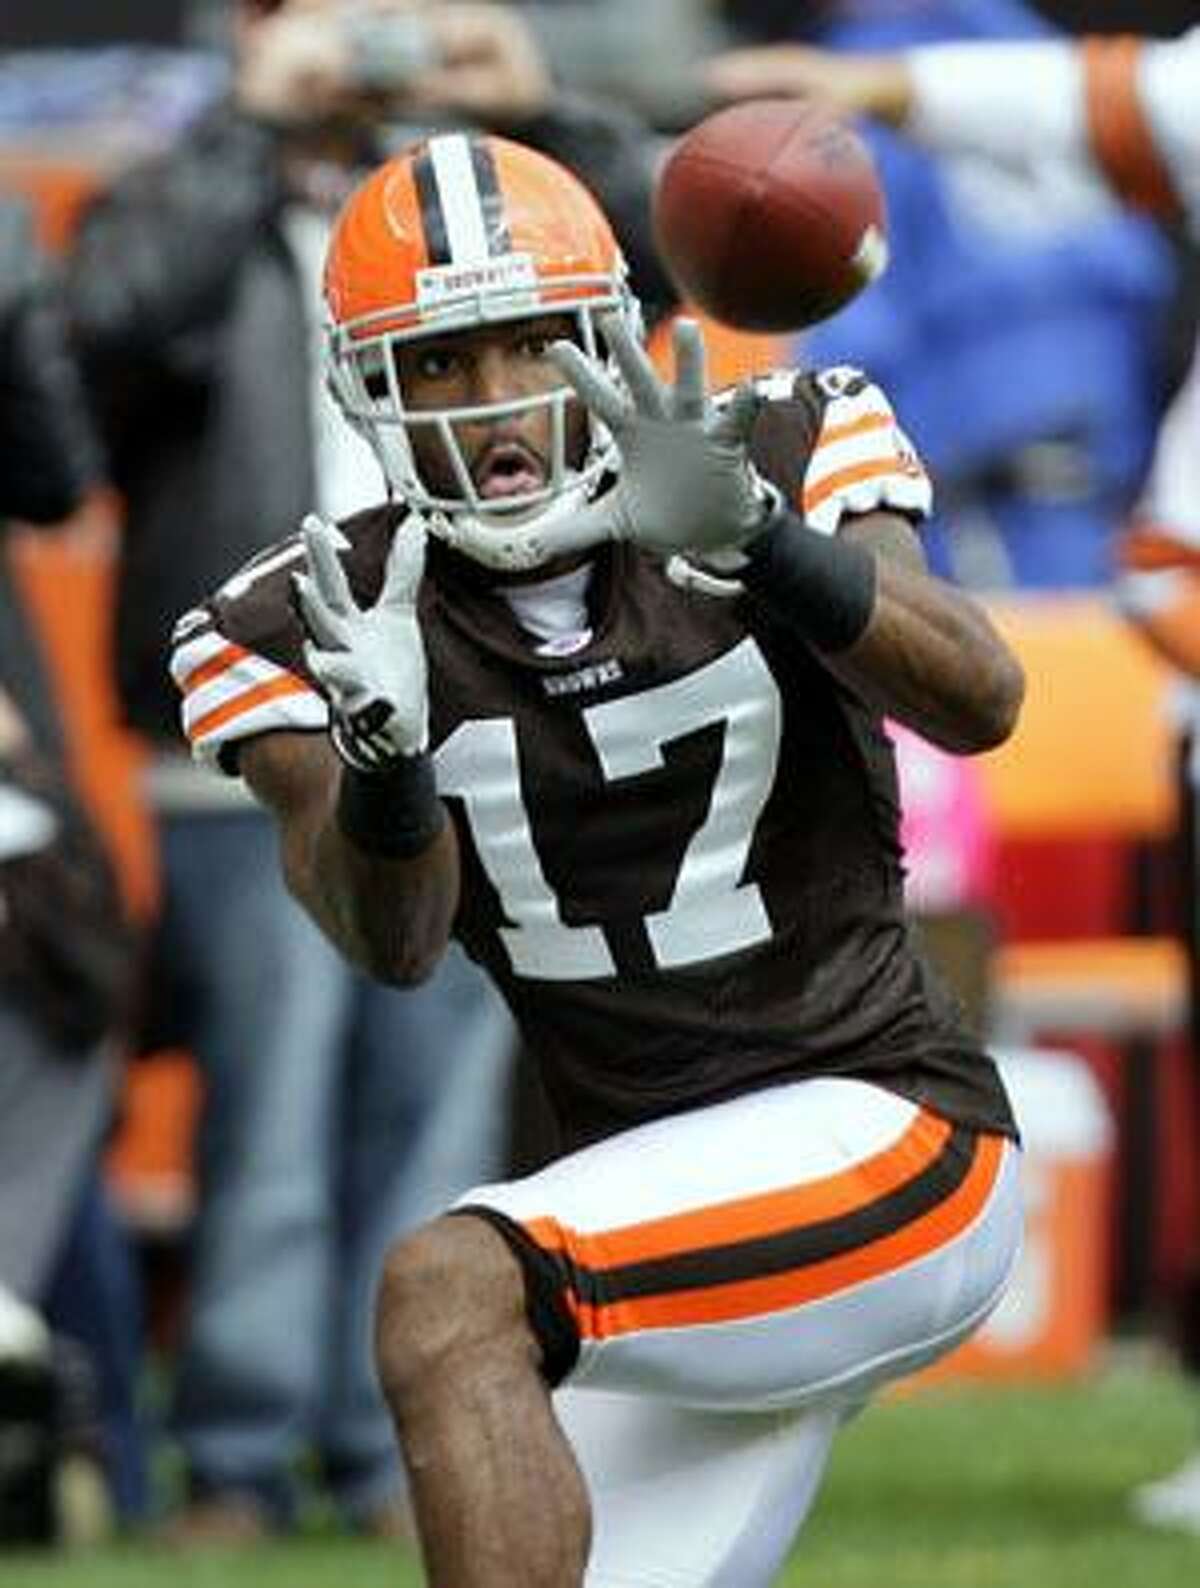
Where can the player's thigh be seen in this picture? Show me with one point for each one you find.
(692, 1498)
(813, 1239)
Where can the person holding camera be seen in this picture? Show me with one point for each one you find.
(337, 1112)
(65, 956)
(53, 1106)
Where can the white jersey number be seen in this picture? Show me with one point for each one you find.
(711, 911)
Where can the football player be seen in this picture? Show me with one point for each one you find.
(599, 689)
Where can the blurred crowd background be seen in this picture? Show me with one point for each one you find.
(225, 1145)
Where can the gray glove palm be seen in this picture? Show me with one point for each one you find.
(686, 481)
(369, 662)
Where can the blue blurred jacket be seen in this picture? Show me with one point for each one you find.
(1023, 352)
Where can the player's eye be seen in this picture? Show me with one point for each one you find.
(434, 363)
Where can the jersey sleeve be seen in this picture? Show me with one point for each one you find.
(231, 693)
(1169, 74)
(1132, 118)
(238, 659)
(861, 460)
(1120, 112)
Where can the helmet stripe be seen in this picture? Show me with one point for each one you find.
(490, 197)
(433, 220)
(462, 208)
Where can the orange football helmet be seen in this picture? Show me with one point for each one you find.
(457, 232)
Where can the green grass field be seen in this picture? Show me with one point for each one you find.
(979, 1488)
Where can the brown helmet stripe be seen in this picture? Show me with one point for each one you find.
(491, 199)
(433, 217)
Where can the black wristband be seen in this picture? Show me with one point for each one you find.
(823, 586)
(395, 812)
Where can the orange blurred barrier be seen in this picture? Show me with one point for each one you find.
(1093, 756)
(58, 185)
(1093, 751)
(732, 355)
(67, 578)
(1093, 760)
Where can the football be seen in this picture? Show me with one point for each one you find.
(769, 215)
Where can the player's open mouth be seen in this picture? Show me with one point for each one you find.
(508, 469)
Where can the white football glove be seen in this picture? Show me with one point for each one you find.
(686, 482)
(369, 662)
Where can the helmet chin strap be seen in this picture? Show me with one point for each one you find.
(523, 542)
(507, 542)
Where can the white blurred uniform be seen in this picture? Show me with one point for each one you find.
(1111, 120)
(1119, 119)
(1110, 108)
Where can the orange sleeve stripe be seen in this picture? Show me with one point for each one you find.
(1144, 548)
(814, 1282)
(750, 1218)
(1120, 134)
(875, 469)
(853, 427)
(245, 702)
(228, 656)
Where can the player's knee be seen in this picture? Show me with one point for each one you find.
(450, 1289)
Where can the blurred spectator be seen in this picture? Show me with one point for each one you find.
(640, 55)
(489, 69)
(65, 957)
(1121, 119)
(338, 1112)
(1021, 331)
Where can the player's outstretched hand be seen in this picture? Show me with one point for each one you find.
(686, 482)
(368, 661)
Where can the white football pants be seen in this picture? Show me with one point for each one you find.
(741, 1279)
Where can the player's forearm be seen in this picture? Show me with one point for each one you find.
(931, 658)
(390, 916)
(1010, 101)
(914, 647)
(384, 897)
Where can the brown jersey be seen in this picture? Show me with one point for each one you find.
(680, 859)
